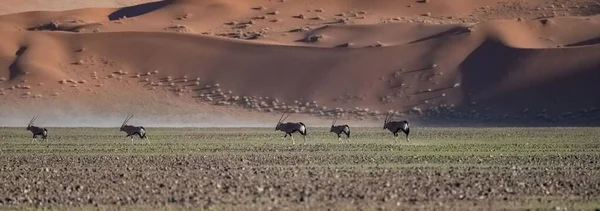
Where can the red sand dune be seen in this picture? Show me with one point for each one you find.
(466, 62)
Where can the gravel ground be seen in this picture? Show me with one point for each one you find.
(440, 168)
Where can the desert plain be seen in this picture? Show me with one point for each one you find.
(500, 96)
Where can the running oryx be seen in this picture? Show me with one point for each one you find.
(291, 127)
(37, 131)
(339, 129)
(133, 130)
(396, 126)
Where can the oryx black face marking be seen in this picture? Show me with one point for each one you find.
(37, 131)
(291, 127)
(396, 126)
(131, 130)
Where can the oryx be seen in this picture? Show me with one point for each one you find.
(37, 131)
(291, 127)
(339, 129)
(396, 126)
(133, 130)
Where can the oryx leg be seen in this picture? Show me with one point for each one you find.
(347, 135)
(293, 142)
(339, 137)
(131, 137)
(143, 137)
(303, 135)
(45, 135)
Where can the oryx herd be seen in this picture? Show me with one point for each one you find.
(288, 128)
(130, 130)
(291, 127)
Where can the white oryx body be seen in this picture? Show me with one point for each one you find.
(339, 129)
(37, 131)
(396, 126)
(131, 130)
(291, 127)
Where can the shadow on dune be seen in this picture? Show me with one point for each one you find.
(488, 65)
(138, 10)
(539, 103)
(450, 32)
(14, 69)
(593, 41)
(551, 100)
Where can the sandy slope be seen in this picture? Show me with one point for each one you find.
(477, 62)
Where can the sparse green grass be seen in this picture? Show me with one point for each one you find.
(222, 168)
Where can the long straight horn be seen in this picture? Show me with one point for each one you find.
(32, 119)
(334, 120)
(389, 116)
(129, 119)
(126, 119)
(288, 115)
(280, 118)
